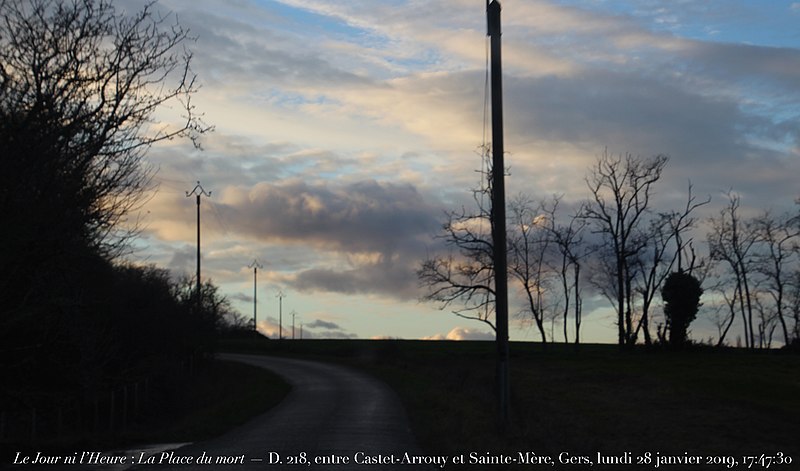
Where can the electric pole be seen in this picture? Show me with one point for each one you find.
(294, 313)
(499, 212)
(198, 191)
(255, 266)
(280, 297)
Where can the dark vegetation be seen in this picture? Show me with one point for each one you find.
(681, 294)
(581, 399)
(173, 407)
(92, 348)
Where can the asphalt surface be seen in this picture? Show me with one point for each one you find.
(333, 418)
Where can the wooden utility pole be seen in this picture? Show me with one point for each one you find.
(255, 266)
(198, 191)
(499, 213)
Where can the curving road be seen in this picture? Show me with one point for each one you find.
(332, 412)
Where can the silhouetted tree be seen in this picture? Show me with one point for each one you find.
(681, 294)
(621, 188)
(571, 251)
(667, 243)
(732, 241)
(80, 87)
(465, 277)
(529, 245)
(778, 236)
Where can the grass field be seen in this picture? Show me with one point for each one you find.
(582, 401)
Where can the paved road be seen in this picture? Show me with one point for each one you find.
(332, 412)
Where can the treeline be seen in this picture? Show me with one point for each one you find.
(618, 244)
(92, 329)
(79, 84)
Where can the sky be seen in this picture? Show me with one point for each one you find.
(345, 130)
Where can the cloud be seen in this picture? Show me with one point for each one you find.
(269, 327)
(354, 217)
(462, 333)
(320, 324)
(330, 330)
(245, 298)
(183, 261)
(389, 277)
(371, 233)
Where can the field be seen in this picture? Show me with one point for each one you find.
(584, 400)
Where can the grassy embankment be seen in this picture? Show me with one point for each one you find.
(185, 407)
(595, 398)
(210, 402)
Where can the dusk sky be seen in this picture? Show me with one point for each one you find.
(345, 130)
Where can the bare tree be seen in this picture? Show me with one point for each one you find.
(793, 305)
(778, 236)
(621, 188)
(723, 317)
(568, 242)
(465, 276)
(732, 241)
(529, 244)
(667, 243)
(79, 88)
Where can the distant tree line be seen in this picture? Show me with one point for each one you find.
(80, 85)
(617, 245)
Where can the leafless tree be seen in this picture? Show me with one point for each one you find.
(465, 276)
(80, 86)
(793, 304)
(667, 242)
(621, 188)
(568, 242)
(778, 236)
(529, 247)
(732, 241)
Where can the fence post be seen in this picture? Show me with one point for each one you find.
(135, 399)
(33, 425)
(111, 413)
(124, 407)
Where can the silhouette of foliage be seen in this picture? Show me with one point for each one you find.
(681, 294)
(80, 85)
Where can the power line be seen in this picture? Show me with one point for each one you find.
(219, 219)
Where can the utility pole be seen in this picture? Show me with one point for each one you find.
(280, 297)
(499, 213)
(255, 266)
(294, 313)
(198, 191)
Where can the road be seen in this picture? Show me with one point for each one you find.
(332, 412)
